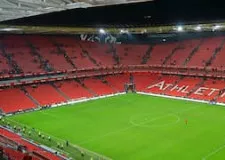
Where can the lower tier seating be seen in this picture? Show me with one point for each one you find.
(98, 86)
(73, 89)
(13, 99)
(118, 81)
(45, 94)
(29, 146)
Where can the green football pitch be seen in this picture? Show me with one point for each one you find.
(137, 127)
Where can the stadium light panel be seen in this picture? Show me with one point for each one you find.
(124, 31)
(102, 31)
(180, 28)
(216, 27)
(198, 28)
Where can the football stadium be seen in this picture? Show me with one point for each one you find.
(112, 80)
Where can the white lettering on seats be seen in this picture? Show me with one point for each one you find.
(184, 90)
(177, 88)
(212, 91)
(160, 85)
(200, 90)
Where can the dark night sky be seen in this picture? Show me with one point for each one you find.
(161, 12)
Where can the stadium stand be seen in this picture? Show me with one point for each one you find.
(29, 147)
(4, 66)
(17, 51)
(41, 93)
(98, 86)
(205, 51)
(180, 56)
(62, 53)
(160, 52)
(118, 81)
(75, 52)
(73, 89)
(49, 52)
(131, 54)
(13, 99)
(99, 54)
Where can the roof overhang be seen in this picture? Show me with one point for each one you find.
(14, 9)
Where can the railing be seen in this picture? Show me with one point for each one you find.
(63, 147)
(88, 72)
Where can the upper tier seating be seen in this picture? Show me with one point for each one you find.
(100, 52)
(219, 59)
(180, 55)
(49, 52)
(160, 52)
(74, 52)
(21, 53)
(45, 94)
(5, 68)
(13, 99)
(131, 54)
(205, 51)
(66, 53)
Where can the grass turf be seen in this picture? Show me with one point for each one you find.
(137, 127)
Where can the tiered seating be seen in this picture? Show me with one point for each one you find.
(98, 86)
(13, 99)
(183, 87)
(49, 52)
(182, 54)
(166, 83)
(218, 62)
(13, 154)
(160, 52)
(5, 68)
(143, 80)
(45, 94)
(30, 147)
(74, 52)
(214, 88)
(100, 52)
(131, 54)
(21, 53)
(118, 81)
(73, 89)
(205, 51)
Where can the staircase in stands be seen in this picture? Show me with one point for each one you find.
(44, 63)
(192, 53)
(216, 52)
(147, 55)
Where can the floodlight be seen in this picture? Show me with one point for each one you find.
(180, 29)
(198, 28)
(102, 31)
(216, 27)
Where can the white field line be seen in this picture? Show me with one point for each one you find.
(179, 98)
(61, 140)
(143, 124)
(126, 128)
(214, 152)
(120, 130)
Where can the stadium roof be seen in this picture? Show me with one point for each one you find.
(13, 9)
